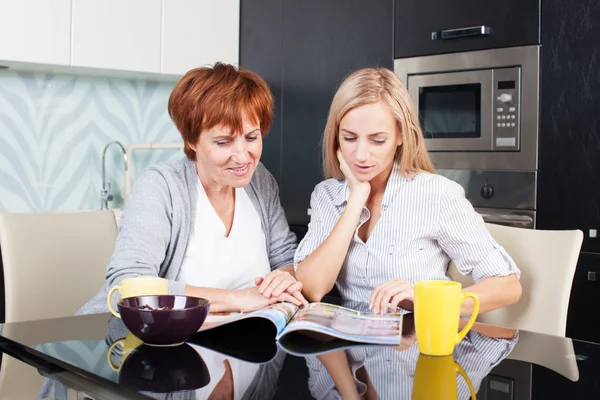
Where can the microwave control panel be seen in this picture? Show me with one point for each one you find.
(506, 101)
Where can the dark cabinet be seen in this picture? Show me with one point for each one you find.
(569, 150)
(584, 317)
(424, 27)
(261, 52)
(304, 49)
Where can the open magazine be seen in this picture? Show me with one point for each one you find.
(323, 320)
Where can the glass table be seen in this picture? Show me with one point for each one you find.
(94, 356)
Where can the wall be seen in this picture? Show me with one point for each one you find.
(53, 129)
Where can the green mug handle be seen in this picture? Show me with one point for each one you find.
(462, 372)
(461, 335)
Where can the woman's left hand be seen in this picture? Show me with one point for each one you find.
(278, 282)
(394, 293)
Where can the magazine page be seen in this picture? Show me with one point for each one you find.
(344, 323)
(311, 344)
(279, 314)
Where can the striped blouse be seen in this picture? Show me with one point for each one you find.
(425, 222)
(392, 372)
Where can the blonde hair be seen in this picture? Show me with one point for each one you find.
(367, 86)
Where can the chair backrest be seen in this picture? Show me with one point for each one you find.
(53, 264)
(547, 260)
(560, 359)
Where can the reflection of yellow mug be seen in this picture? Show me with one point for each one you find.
(435, 378)
(437, 313)
(133, 287)
(129, 343)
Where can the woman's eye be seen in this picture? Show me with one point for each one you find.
(379, 141)
(222, 142)
(349, 139)
(251, 138)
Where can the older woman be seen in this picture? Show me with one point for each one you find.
(384, 220)
(211, 222)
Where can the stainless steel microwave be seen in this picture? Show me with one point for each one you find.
(469, 111)
(478, 109)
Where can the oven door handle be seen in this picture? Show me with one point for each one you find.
(461, 32)
(508, 218)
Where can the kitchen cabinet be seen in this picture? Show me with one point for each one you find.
(116, 34)
(199, 32)
(583, 317)
(304, 49)
(568, 190)
(260, 51)
(510, 23)
(36, 31)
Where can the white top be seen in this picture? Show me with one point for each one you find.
(216, 261)
(425, 222)
(243, 373)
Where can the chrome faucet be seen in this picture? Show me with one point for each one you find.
(105, 194)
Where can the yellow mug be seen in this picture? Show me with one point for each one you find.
(133, 287)
(129, 343)
(435, 378)
(437, 313)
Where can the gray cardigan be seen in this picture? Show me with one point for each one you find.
(157, 221)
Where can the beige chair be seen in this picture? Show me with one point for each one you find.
(53, 264)
(560, 359)
(547, 260)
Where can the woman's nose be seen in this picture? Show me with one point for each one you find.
(239, 150)
(362, 151)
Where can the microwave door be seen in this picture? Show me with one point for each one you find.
(455, 109)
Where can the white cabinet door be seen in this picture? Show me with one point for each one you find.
(37, 31)
(117, 34)
(199, 32)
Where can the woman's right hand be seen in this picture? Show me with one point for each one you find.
(358, 189)
(251, 299)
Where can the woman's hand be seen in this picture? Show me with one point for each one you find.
(394, 293)
(250, 299)
(359, 189)
(279, 282)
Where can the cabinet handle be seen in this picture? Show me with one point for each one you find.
(461, 32)
(592, 276)
(507, 218)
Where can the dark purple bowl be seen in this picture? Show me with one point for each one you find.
(147, 319)
(164, 370)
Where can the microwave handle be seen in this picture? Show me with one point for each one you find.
(461, 32)
(507, 218)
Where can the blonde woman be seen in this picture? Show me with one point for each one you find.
(383, 219)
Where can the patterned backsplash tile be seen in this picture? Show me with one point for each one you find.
(53, 129)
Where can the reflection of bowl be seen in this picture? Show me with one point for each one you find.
(163, 370)
(163, 320)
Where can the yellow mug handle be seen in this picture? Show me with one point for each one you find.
(467, 328)
(461, 371)
(110, 350)
(109, 298)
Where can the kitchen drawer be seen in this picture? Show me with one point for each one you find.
(584, 317)
(511, 23)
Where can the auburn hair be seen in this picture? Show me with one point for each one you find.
(220, 95)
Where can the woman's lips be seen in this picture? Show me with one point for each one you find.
(240, 171)
(363, 168)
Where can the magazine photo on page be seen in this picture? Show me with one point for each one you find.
(321, 319)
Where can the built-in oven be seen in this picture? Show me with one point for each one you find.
(478, 109)
(500, 197)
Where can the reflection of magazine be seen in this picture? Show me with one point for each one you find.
(320, 320)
